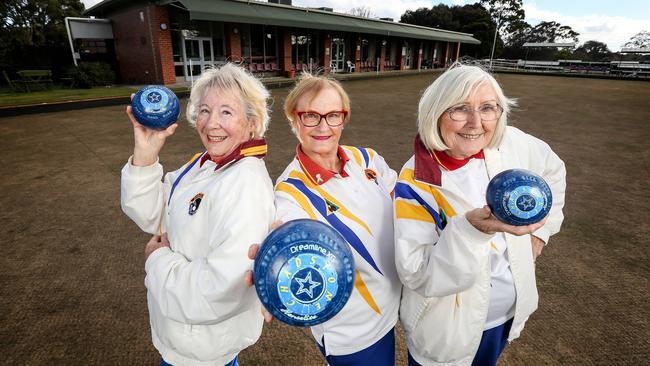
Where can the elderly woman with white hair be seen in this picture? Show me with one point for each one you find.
(209, 210)
(469, 279)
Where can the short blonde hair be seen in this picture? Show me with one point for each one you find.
(453, 87)
(235, 79)
(310, 84)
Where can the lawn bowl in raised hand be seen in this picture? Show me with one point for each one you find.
(155, 107)
(304, 272)
(519, 197)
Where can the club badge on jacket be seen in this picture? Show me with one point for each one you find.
(195, 203)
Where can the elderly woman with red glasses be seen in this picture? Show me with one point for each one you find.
(355, 183)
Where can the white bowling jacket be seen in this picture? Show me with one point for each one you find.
(444, 262)
(201, 311)
(357, 203)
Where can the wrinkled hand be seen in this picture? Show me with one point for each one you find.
(148, 142)
(156, 242)
(483, 220)
(248, 277)
(538, 245)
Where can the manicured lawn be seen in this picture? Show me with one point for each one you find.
(9, 98)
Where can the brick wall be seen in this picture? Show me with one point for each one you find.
(326, 52)
(233, 41)
(163, 43)
(144, 51)
(286, 63)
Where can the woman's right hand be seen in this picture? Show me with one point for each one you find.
(483, 220)
(148, 142)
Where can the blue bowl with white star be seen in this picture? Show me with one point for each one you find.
(519, 197)
(304, 272)
(155, 107)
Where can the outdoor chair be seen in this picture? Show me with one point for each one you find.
(350, 66)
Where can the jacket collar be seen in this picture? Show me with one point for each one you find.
(450, 163)
(317, 173)
(428, 164)
(256, 148)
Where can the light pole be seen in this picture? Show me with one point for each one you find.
(494, 43)
(499, 15)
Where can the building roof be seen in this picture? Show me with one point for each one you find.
(291, 16)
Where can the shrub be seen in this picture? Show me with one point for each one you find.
(89, 74)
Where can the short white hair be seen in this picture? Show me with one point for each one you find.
(233, 78)
(453, 87)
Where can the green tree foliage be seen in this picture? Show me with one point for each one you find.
(472, 19)
(549, 32)
(639, 40)
(552, 32)
(33, 34)
(507, 14)
(593, 51)
(37, 22)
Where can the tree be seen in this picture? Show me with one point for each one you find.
(33, 33)
(544, 32)
(593, 51)
(37, 22)
(439, 16)
(552, 32)
(362, 11)
(639, 40)
(472, 19)
(507, 14)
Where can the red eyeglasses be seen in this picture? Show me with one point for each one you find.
(312, 119)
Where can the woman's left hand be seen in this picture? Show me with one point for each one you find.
(156, 242)
(538, 245)
(483, 220)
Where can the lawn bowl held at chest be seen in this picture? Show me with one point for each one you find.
(155, 107)
(304, 272)
(519, 197)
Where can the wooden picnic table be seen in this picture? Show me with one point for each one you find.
(35, 78)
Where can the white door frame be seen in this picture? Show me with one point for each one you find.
(203, 62)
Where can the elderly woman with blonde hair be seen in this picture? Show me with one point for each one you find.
(348, 188)
(469, 279)
(201, 312)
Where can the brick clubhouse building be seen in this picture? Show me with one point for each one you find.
(166, 42)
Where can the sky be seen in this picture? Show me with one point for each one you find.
(610, 22)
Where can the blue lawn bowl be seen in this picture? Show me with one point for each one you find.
(155, 107)
(304, 272)
(519, 197)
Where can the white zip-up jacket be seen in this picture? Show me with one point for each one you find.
(201, 311)
(444, 262)
(357, 203)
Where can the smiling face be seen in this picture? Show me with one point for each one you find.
(466, 138)
(222, 123)
(322, 139)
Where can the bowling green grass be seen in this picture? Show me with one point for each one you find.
(54, 95)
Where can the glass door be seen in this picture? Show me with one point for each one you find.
(409, 56)
(338, 54)
(198, 54)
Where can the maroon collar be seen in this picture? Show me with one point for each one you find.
(317, 173)
(256, 148)
(426, 168)
(428, 164)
